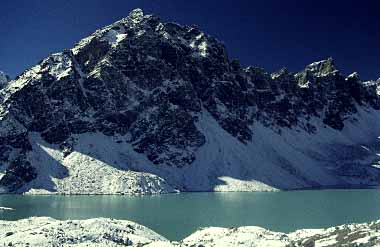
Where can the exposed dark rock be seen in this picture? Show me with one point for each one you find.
(18, 173)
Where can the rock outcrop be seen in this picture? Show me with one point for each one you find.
(176, 112)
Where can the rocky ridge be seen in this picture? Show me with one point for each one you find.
(174, 108)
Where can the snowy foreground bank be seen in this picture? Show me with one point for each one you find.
(109, 232)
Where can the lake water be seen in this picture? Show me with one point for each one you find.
(177, 215)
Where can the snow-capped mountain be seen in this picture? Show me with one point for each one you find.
(147, 106)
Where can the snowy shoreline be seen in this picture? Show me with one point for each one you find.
(44, 231)
(315, 188)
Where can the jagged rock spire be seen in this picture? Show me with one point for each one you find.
(322, 68)
(136, 13)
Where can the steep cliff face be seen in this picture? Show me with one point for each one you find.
(145, 106)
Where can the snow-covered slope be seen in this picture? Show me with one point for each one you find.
(43, 232)
(145, 106)
(109, 232)
(345, 235)
(99, 165)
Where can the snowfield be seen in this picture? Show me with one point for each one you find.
(100, 164)
(110, 232)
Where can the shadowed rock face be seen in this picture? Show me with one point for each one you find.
(150, 81)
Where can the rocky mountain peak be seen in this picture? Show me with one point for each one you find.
(136, 14)
(354, 75)
(282, 72)
(152, 82)
(322, 68)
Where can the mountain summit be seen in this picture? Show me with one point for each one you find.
(147, 106)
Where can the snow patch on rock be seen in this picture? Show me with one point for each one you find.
(6, 209)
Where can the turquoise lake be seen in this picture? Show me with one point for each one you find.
(175, 216)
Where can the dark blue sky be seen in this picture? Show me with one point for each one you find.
(269, 34)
